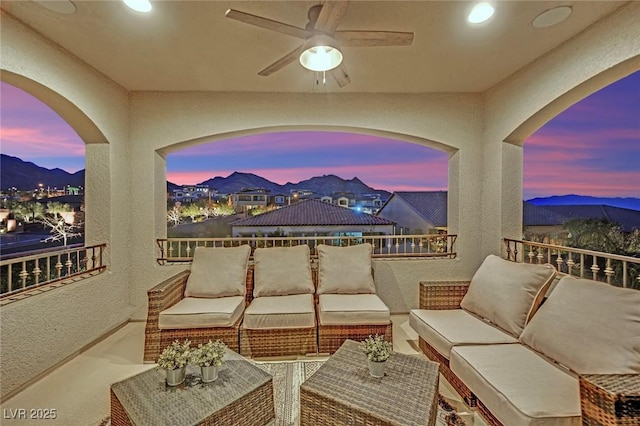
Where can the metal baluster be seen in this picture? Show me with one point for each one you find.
(608, 271)
(595, 268)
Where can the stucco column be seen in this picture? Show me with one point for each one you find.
(512, 183)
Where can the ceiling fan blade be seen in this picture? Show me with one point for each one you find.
(340, 74)
(373, 38)
(330, 15)
(282, 62)
(269, 24)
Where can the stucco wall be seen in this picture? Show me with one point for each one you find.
(449, 122)
(528, 99)
(41, 331)
(485, 175)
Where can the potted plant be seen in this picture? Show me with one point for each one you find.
(209, 357)
(174, 359)
(378, 351)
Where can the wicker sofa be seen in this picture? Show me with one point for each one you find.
(573, 360)
(276, 317)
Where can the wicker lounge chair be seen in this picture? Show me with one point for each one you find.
(348, 307)
(201, 304)
(281, 319)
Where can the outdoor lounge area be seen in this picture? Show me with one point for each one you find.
(138, 87)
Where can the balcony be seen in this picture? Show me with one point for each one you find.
(86, 375)
(132, 109)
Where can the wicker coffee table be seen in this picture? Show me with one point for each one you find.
(242, 394)
(342, 392)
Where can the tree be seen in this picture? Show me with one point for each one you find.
(174, 215)
(192, 210)
(29, 211)
(57, 218)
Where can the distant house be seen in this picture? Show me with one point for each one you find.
(191, 193)
(278, 200)
(248, 199)
(416, 211)
(540, 220)
(313, 217)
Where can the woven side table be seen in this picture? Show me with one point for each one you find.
(342, 392)
(242, 394)
(610, 399)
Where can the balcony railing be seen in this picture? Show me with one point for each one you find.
(385, 246)
(622, 271)
(26, 273)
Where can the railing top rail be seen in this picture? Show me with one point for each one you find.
(16, 257)
(307, 237)
(577, 250)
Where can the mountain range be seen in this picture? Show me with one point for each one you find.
(573, 199)
(321, 185)
(24, 175)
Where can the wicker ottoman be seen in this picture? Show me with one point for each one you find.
(342, 392)
(242, 394)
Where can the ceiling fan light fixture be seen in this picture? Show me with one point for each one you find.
(320, 53)
(143, 6)
(480, 13)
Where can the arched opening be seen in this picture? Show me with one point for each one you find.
(254, 173)
(45, 138)
(43, 168)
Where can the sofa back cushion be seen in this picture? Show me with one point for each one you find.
(345, 270)
(280, 271)
(588, 326)
(507, 293)
(218, 272)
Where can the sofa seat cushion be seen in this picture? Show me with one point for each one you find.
(519, 386)
(200, 312)
(444, 329)
(293, 311)
(507, 293)
(588, 326)
(352, 309)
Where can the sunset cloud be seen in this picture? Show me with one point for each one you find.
(592, 148)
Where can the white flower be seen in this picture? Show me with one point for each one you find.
(377, 348)
(209, 354)
(177, 355)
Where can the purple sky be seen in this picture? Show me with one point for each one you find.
(593, 148)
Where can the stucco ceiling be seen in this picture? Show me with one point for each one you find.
(191, 46)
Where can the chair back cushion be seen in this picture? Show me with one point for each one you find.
(280, 271)
(218, 272)
(345, 270)
(588, 326)
(507, 293)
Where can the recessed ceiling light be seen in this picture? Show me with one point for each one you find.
(64, 7)
(552, 17)
(481, 12)
(139, 5)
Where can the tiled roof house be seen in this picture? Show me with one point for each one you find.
(416, 210)
(311, 217)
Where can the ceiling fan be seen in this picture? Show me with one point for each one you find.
(321, 38)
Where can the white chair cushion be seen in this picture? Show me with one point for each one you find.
(590, 327)
(352, 309)
(218, 272)
(444, 329)
(507, 293)
(293, 311)
(280, 271)
(345, 270)
(519, 386)
(196, 312)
